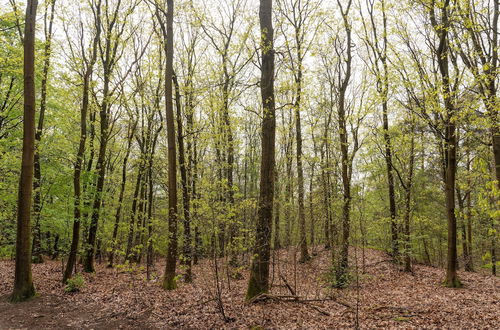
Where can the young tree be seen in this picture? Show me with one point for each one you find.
(37, 182)
(130, 136)
(23, 283)
(299, 15)
(113, 26)
(479, 52)
(89, 58)
(259, 273)
(377, 45)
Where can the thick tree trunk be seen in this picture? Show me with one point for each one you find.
(23, 283)
(168, 42)
(259, 273)
(450, 141)
(346, 166)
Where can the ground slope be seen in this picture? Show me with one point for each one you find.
(384, 297)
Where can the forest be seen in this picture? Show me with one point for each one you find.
(239, 164)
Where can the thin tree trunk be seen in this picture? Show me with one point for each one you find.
(408, 188)
(130, 137)
(133, 215)
(304, 254)
(311, 209)
(277, 203)
(469, 264)
(187, 247)
(37, 199)
(77, 212)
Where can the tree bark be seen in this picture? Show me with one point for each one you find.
(450, 141)
(259, 273)
(168, 44)
(408, 187)
(118, 213)
(37, 199)
(187, 247)
(77, 204)
(346, 166)
(23, 283)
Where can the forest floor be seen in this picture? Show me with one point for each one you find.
(384, 297)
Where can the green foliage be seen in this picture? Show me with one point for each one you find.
(339, 278)
(75, 284)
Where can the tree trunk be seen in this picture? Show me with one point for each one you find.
(187, 254)
(408, 188)
(118, 213)
(168, 42)
(450, 141)
(37, 200)
(23, 283)
(277, 203)
(469, 265)
(311, 209)
(133, 212)
(346, 166)
(77, 204)
(259, 273)
(304, 254)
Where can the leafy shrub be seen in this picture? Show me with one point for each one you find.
(75, 283)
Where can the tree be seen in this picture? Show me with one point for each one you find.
(259, 273)
(110, 51)
(344, 70)
(168, 44)
(479, 52)
(298, 14)
(377, 48)
(23, 283)
(130, 136)
(89, 59)
(441, 29)
(37, 182)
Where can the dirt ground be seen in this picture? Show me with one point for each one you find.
(383, 297)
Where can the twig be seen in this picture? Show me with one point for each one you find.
(292, 291)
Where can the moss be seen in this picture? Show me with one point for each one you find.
(254, 289)
(452, 282)
(169, 283)
(23, 294)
